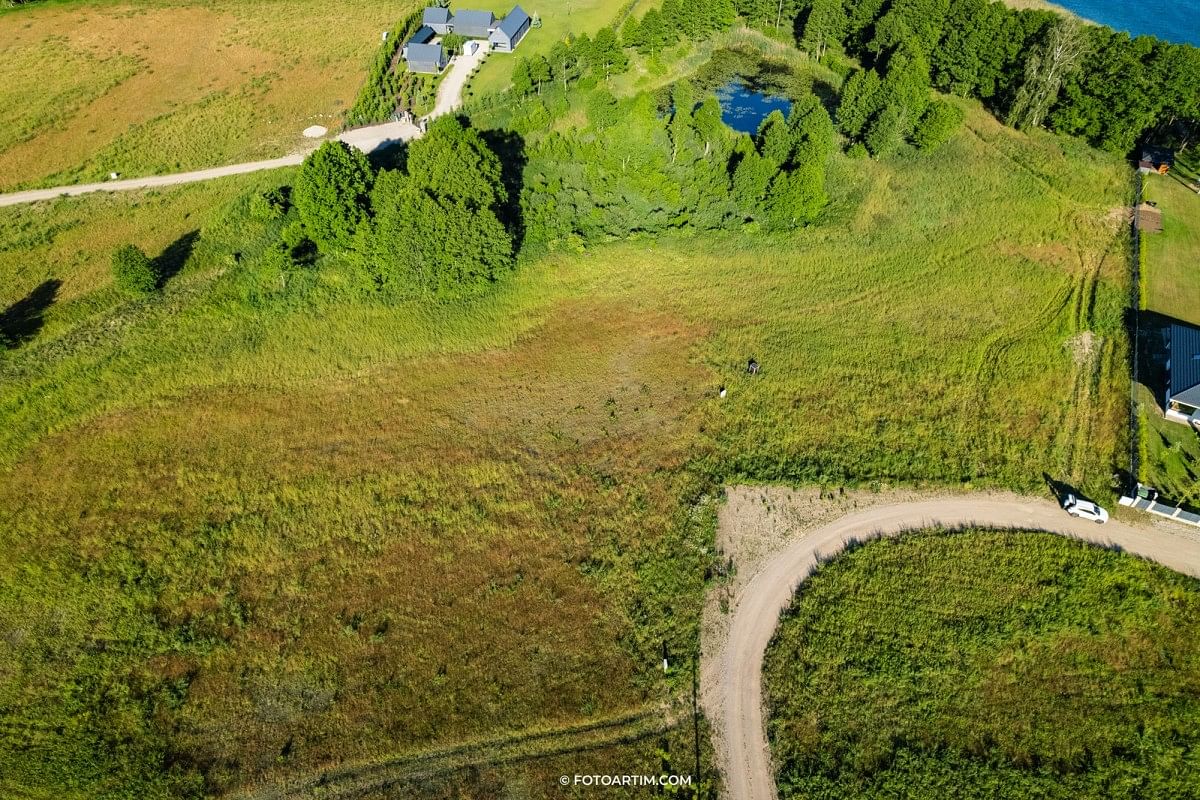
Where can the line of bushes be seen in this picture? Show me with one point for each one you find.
(377, 99)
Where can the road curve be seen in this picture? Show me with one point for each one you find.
(736, 703)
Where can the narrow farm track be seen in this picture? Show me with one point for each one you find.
(734, 672)
(356, 780)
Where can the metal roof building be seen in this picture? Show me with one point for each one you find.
(511, 30)
(429, 58)
(1184, 368)
(437, 18)
(473, 24)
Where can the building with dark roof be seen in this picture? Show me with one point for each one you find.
(429, 58)
(1183, 366)
(473, 24)
(511, 30)
(1156, 159)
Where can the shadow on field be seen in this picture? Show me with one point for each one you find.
(175, 256)
(1060, 490)
(23, 319)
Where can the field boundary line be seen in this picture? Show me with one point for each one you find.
(356, 779)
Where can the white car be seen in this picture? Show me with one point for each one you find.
(1084, 509)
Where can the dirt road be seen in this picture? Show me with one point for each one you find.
(449, 96)
(366, 139)
(732, 674)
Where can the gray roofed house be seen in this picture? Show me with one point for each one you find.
(511, 30)
(430, 58)
(473, 24)
(437, 18)
(1183, 390)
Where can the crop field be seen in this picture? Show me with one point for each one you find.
(987, 664)
(266, 525)
(159, 86)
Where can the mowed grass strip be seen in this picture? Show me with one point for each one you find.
(1171, 268)
(987, 664)
(271, 522)
(158, 87)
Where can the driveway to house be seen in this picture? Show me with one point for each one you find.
(732, 675)
(367, 139)
(449, 96)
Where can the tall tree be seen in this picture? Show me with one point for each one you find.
(331, 194)
(1051, 62)
(861, 100)
(825, 26)
(683, 100)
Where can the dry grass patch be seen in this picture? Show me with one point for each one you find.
(158, 87)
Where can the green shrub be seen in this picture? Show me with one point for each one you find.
(331, 194)
(133, 271)
(938, 124)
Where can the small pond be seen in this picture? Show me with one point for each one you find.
(743, 108)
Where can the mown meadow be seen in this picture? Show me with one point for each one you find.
(1170, 452)
(154, 87)
(268, 522)
(986, 664)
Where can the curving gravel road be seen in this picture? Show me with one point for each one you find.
(736, 704)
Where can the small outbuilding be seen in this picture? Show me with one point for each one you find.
(427, 58)
(511, 30)
(1149, 218)
(1156, 159)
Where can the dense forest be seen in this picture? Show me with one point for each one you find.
(1032, 68)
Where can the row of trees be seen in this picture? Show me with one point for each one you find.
(1034, 68)
(386, 86)
(677, 20)
(637, 170)
(604, 55)
(883, 107)
(433, 226)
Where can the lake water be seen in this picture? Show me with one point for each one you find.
(1173, 20)
(744, 109)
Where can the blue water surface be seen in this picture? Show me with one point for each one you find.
(1173, 20)
(744, 109)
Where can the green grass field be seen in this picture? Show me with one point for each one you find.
(160, 86)
(985, 664)
(1172, 258)
(1170, 452)
(271, 522)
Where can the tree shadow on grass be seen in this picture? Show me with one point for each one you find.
(168, 264)
(510, 147)
(23, 319)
